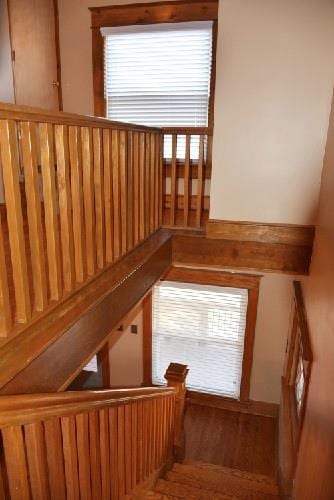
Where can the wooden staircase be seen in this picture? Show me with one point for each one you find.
(201, 481)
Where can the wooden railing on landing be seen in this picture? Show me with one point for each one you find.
(79, 193)
(84, 444)
(187, 174)
(89, 444)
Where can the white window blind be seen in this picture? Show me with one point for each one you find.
(158, 75)
(203, 327)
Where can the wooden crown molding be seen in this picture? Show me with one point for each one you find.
(261, 232)
(155, 12)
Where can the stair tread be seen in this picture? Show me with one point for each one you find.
(221, 478)
(221, 485)
(187, 492)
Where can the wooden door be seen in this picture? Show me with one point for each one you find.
(32, 24)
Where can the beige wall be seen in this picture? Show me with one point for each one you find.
(126, 356)
(275, 74)
(274, 78)
(275, 301)
(6, 73)
(315, 479)
(274, 312)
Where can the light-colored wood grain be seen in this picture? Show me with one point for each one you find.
(124, 189)
(37, 462)
(142, 186)
(200, 182)
(83, 457)
(77, 203)
(173, 181)
(16, 464)
(5, 308)
(94, 452)
(187, 187)
(152, 161)
(113, 452)
(65, 206)
(108, 195)
(31, 177)
(70, 457)
(134, 439)
(51, 210)
(130, 191)
(121, 451)
(88, 197)
(10, 174)
(157, 197)
(54, 451)
(99, 198)
(147, 183)
(136, 190)
(105, 453)
(128, 448)
(116, 193)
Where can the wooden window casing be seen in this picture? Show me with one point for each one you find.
(298, 355)
(153, 13)
(218, 278)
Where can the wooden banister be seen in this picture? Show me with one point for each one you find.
(67, 445)
(187, 167)
(71, 209)
(176, 375)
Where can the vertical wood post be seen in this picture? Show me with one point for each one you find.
(176, 375)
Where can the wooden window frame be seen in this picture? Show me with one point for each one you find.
(152, 13)
(250, 282)
(298, 350)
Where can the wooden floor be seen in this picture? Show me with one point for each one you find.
(231, 439)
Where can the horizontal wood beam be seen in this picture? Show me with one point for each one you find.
(251, 407)
(155, 12)
(260, 232)
(206, 252)
(47, 356)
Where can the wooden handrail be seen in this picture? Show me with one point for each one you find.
(26, 408)
(15, 112)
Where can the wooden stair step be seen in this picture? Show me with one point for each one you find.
(187, 492)
(206, 482)
(153, 495)
(220, 478)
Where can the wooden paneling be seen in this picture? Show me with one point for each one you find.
(261, 232)
(155, 12)
(201, 251)
(251, 407)
(114, 295)
(147, 339)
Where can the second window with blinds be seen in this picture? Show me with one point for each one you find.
(204, 327)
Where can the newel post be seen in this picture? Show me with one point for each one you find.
(176, 375)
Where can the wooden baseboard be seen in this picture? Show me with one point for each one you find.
(260, 232)
(261, 408)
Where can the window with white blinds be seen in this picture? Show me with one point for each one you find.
(159, 74)
(202, 326)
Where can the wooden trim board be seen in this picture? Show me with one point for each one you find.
(155, 12)
(252, 407)
(260, 232)
(217, 253)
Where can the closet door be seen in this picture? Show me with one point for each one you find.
(32, 25)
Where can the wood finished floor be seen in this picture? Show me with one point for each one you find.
(231, 439)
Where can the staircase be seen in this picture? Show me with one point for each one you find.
(201, 481)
